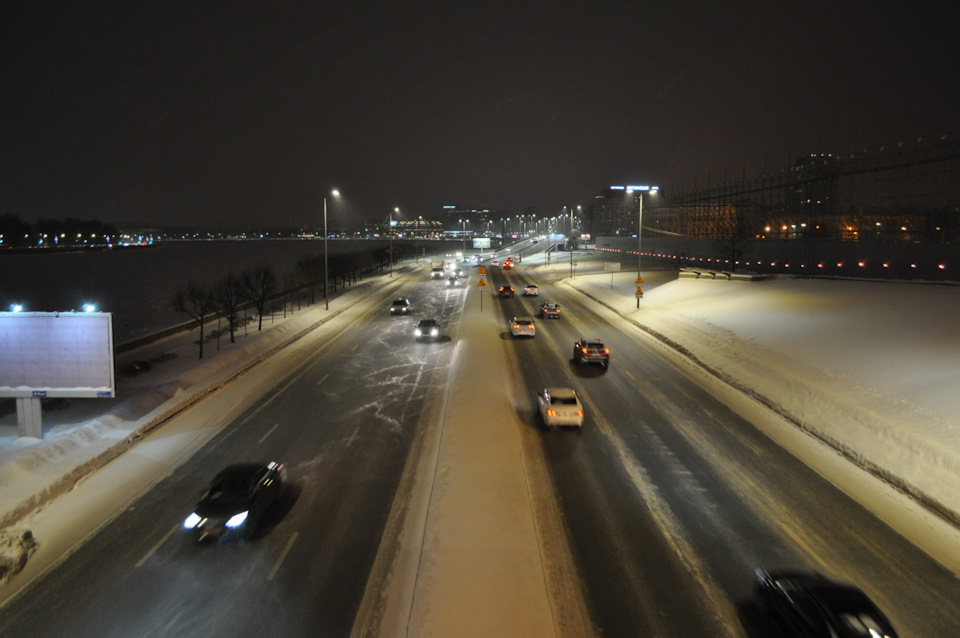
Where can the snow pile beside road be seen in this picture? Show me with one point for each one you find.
(16, 546)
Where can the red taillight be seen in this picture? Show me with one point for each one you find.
(551, 413)
(579, 412)
(584, 350)
(606, 351)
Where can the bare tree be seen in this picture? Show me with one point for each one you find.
(311, 271)
(197, 302)
(259, 284)
(229, 297)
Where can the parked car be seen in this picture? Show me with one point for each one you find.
(506, 291)
(591, 351)
(523, 327)
(531, 291)
(560, 407)
(236, 500)
(427, 330)
(400, 307)
(808, 605)
(549, 311)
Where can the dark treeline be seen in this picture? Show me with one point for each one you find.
(16, 233)
(264, 291)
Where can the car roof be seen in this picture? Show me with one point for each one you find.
(427, 321)
(526, 319)
(591, 340)
(561, 392)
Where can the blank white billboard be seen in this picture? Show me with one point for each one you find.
(56, 354)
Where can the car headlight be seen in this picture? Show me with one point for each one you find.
(192, 521)
(417, 332)
(433, 332)
(237, 519)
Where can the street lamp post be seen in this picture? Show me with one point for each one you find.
(326, 280)
(570, 240)
(390, 230)
(653, 191)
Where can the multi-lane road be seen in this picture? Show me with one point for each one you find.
(668, 498)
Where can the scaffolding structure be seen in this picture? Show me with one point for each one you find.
(906, 193)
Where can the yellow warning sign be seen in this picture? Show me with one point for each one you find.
(481, 270)
(639, 280)
(481, 283)
(639, 292)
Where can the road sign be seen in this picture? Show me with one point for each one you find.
(481, 271)
(481, 283)
(639, 280)
(639, 292)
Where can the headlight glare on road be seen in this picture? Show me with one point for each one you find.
(237, 520)
(191, 521)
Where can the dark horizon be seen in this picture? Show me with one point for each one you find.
(243, 115)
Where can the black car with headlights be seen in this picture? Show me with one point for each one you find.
(427, 330)
(236, 500)
(809, 605)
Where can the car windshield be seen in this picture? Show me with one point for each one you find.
(563, 400)
(428, 323)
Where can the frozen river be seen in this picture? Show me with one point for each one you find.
(138, 284)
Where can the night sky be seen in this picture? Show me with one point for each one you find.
(242, 114)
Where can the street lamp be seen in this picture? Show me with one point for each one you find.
(326, 286)
(390, 230)
(653, 191)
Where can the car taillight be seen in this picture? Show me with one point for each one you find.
(606, 351)
(551, 413)
(579, 412)
(584, 350)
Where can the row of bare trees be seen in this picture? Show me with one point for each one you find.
(227, 298)
(255, 288)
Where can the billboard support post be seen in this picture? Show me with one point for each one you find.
(29, 417)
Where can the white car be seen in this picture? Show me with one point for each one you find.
(560, 407)
(523, 327)
(531, 291)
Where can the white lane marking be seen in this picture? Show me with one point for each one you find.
(157, 546)
(283, 555)
(353, 436)
(632, 378)
(323, 379)
(269, 432)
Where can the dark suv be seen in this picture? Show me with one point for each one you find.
(506, 291)
(591, 351)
